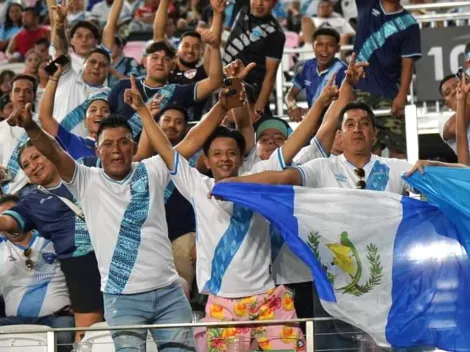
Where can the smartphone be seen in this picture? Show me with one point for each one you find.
(235, 86)
(461, 72)
(51, 68)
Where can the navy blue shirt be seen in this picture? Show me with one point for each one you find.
(54, 220)
(76, 146)
(182, 95)
(383, 40)
(313, 81)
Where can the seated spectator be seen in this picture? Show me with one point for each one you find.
(6, 77)
(6, 107)
(326, 19)
(25, 39)
(33, 284)
(316, 72)
(96, 110)
(122, 66)
(12, 25)
(42, 47)
(31, 63)
(100, 12)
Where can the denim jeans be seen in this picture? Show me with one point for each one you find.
(64, 339)
(167, 305)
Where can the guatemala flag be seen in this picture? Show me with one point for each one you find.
(394, 266)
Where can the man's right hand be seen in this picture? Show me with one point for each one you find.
(228, 104)
(237, 69)
(132, 96)
(295, 113)
(61, 11)
(22, 118)
(355, 71)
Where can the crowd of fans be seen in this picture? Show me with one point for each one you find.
(107, 162)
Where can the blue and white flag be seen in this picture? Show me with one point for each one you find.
(394, 266)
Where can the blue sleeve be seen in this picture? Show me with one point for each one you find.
(63, 137)
(299, 79)
(23, 215)
(340, 76)
(72, 143)
(411, 46)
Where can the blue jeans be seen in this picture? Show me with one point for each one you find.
(64, 339)
(167, 305)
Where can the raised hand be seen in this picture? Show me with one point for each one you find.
(229, 104)
(463, 88)
(218, 5)
(56, 76)
(210, 38)
(355, 71)
(21, 118)
(61, 11)
(237, 69)
(330, 92)
(155, 105)
(132, 96)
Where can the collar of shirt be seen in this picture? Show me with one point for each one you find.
(372, 157)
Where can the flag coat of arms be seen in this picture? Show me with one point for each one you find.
(394, 266)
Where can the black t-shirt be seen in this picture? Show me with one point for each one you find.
(193, 75)
(253, 39)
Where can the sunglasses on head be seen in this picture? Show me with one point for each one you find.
(29, 263)
(361, 184)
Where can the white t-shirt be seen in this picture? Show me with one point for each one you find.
(341, 25)
(233, 243)
(127, 225)
(71, 92)
(452, 143)
(31, 293)
(100, 12)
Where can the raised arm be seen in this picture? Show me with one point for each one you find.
(462, 122)
(159, 23)
(212, 37)
(110, 29)
(157, 138)
(46, 144)
(60, 41)
(398, 105)
(46, 108)
(327, 130)
(10, 229)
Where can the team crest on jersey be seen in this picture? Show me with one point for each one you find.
(49, 258)
(139, 186)
(190, 74)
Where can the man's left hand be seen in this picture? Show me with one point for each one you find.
(398, 105)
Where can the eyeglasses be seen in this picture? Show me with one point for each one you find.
(29, 263)
(361, 184)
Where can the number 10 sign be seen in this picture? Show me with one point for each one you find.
(443, 53)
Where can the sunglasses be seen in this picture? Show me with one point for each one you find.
(29, 263)
(361, 184)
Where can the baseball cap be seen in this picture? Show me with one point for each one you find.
(273, 123)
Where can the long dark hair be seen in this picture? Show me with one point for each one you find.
(8, 21)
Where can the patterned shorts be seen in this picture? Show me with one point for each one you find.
(391, 131)
(277, 303)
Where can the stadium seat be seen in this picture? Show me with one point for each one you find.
(135, 49)
(25, 341)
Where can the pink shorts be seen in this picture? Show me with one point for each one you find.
(276, 304)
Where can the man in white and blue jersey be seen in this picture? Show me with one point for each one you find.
(51, 209)
(388, 37)
(124, 208)
(32, 283)
(315, 73)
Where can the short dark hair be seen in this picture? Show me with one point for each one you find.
(31, 9)
(88, 25)
(44, 41)
(191, 34)
(98, 51)
(22, 148)
(119, 41)
(161, 45)
(356, 105)
(225, 132)
(6, 73)
(113, 121)
(174, 106)
(7, 198)
(327, 31)
(30, 78)
(443, 81)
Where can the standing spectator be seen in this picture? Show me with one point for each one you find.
(388, 37)
(327, 19)
(12, 25)
(77, 12)
(84, 36)
(257, 37)
(33, 284)
(122, 67)
(145, 16)
(316, 72)
(28, 36)
(100, 12)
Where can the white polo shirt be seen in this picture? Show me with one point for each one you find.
(31, 293)
(127, 225)
(233, 244)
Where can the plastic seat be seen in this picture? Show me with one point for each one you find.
(135, 50)
(25, 341)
